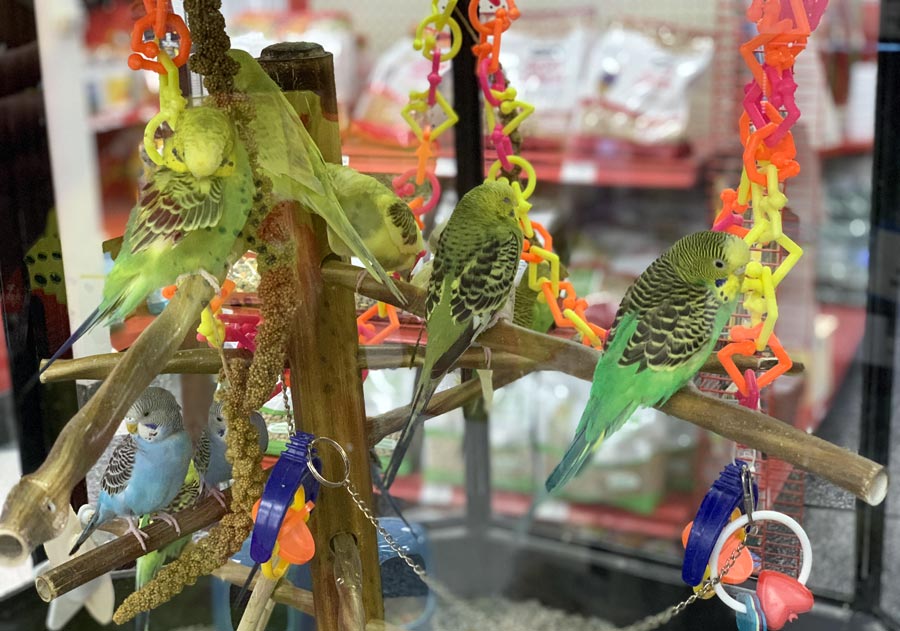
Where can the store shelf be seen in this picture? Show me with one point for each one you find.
(551, 165)
(848, 148)
(666, 522)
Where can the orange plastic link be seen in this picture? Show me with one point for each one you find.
(160, 20)
(745, 344)
(393, 324)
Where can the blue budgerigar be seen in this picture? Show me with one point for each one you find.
(147, 469)
(210, 459)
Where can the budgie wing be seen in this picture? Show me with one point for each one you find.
(285, 149)
(201, 453)
(121, 464)
(668, 335)
(172, 205)
(401, 216)
(480, 279)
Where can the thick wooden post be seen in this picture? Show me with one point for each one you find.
(325, 377)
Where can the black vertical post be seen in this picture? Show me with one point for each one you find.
(468, 135)
(878, 358)
(469, 174)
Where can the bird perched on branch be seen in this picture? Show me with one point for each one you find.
(147, 469)
(189, 212)
(384, 221)
(473, 270)
(209, 457)
(290, 158)
(665, 328)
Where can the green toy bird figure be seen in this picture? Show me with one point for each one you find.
(384, 221)
(474, 267)
(290, 158)
(189, 212)
(665, 328)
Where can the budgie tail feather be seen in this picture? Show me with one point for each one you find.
(583, 446)
(424, 389)
(88, 530)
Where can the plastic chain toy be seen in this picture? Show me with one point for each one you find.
(428, 41)
(768, 161)
(500, 99)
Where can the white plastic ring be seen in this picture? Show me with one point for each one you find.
(740, 522)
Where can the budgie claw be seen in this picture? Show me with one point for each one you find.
(360, 278)
(139, 534)
(209, 278)
(169, 519)
(219, 495)
(487, 356)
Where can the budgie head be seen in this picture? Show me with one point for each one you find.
(155, 415)
(713, 259)
(202, 144)
(215, 424)
(497, 198)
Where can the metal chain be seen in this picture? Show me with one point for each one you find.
(476, 619)
(657, 620)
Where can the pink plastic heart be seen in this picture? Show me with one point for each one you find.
(782, 598)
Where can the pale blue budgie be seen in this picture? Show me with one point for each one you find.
(147, 469)
(210, 454)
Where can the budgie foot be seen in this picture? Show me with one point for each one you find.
(209, 278)
(169, 519)
(360, 278)
(139, 534)
(216, 493)
(487, 356)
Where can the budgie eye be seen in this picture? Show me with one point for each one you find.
(719, 263)
(147, 413)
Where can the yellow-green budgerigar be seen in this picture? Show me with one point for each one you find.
(474, 267)
(666, 327)
(384, 221)
(189, 212)
(290, 158)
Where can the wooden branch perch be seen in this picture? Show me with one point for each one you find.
(864, 478)
(193, 361)
(441, 403)
(112, 555)
(36, 508)
(285, 593)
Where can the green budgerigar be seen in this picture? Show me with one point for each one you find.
(666, 327)
(148, 566)
(384, 221)
(290, 158)
(189, 212)
(473, 270)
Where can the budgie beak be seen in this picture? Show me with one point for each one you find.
(741, 270)
(131, 425)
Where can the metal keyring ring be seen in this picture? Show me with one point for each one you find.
(318, 476)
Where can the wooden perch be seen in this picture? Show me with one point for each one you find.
(441, 403)
(36, 508)
(194, 361)
(285, 593)
(864, 478)
(112, 555)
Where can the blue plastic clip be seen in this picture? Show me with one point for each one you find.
(723, 497)
(287, 475)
